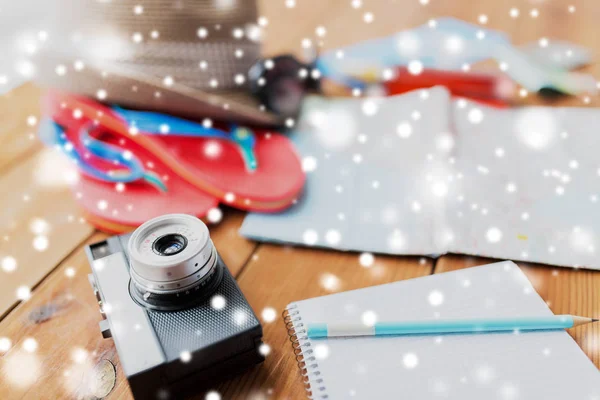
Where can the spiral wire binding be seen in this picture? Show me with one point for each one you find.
(303, 353)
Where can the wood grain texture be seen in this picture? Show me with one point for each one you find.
(18, 137)
(69, 343)
(36, 205)
(275, 275)
(566, 290)
(279, 275)
(234, 249)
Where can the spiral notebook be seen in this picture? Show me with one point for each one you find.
(534, 365)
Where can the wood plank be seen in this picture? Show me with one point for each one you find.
(69, 343)
(17, 136)
(566, 290)
(234, 249)
(278, 275)
(39, 223)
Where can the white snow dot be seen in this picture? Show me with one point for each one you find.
(202, 32)
(454, 44)
(330, 282)
(79, 355)
(416, 206)
(366, 259)
(404, 129)
(240, 317)
(368, 17)
(185, 356)
(218, 302)
(546, 352)
(212, 395)
(573, 164)
(70, 272)
(369, 107)
(475, 116)
(102, 204)
(493, 235)
(309, 164)
(40, 243)
(514, 12)
(229, 197)
(435, 298)
(410, 360)
(511, 187)
(269, 314)
(101, 94)
(9, 264)
(263, 21)
(415, 67)
(5, 344)
(23, 293)
(60, 70)
(264, 349)
(30, 345)
(310, 237)
(168, 80)
(369, 318)
(214, 215)
(439, 188)
(333, 237)
(137, 37)
(239, 79)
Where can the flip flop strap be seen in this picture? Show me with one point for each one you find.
(154, 123)
(53, 135)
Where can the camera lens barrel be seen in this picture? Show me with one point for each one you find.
(171, 258)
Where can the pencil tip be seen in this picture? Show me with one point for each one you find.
(595, 319)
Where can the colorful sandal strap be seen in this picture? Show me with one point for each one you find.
(53, 135)
(155, 123)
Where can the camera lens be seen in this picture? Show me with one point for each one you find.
(169, 244)
(173, 263)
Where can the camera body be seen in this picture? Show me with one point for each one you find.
(179, 339)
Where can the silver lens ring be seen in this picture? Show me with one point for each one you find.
(178, 285)
(175, 260)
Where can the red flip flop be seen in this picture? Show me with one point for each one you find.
(213, 165)
(119, 206)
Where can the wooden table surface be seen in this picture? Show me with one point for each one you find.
(61, 316)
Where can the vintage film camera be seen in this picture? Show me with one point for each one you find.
(179, 321)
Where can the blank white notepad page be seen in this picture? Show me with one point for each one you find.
(506, 366)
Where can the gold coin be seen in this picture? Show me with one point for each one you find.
(103, 379)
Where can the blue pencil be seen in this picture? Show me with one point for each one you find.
(320, 330)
